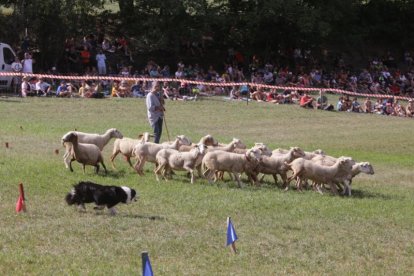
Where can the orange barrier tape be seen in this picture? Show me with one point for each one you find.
(221, 84)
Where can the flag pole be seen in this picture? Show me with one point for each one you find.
(144, 257)
(231, 235)
(146, 264)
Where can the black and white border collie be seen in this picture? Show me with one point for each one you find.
(109, 196)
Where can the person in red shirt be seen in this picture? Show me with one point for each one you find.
(86, 59)
(306, 101)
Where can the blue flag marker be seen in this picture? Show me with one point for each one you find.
(146, 265)
(231, 235)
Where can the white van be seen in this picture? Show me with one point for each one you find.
(7, 57)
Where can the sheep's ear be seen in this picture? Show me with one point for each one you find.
(140, 136)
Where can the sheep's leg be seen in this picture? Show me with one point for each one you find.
(83, 166)
(261, 178)
(103, 165)
(209, 174)
(128, 159)
(65, 159)
(236, 176)
(284, 179)
(112, 158)
(67, 155)
(347, 190)
(191, 171)
(139, 165)
(158, 170)
(274, 178)
(334, 190)
(70, 166)
(200, 174)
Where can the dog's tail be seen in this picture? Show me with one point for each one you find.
(70, 198)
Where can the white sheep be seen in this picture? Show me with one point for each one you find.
(86, 154)
(340, 172)
(176, 160)
(357, 167)
(233, 163)
(147, 151)
(206, 140)
(275, 164)
(308, 154)
(100, 140)
(126, 145)
(265, 151)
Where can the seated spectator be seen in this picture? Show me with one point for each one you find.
(25, 87)
(355, 106)
(258, 95)
(322, 102)
(379, 106)
(234, 93)
(137, 91)
(273, 97)
(84, 89)
(340, 104)
(347, 103)
(124, 89)
(410, 108)
(368, 108)
(399, 110)
(244, 91)
(64, 90)
(115, 89)
(43, 88)
(306, 101)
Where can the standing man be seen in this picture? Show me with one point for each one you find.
(27, 63)
(155, 110)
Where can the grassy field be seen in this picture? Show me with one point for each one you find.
(183, 226)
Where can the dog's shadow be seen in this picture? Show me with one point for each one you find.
(133, 216)
(149, 217)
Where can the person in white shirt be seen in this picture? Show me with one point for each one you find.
(27, 63)
(101, 63)
(42, 88)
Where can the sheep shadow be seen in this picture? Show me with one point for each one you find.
(114, 174)
(362, 194)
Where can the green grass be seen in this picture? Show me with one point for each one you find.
(183, 226)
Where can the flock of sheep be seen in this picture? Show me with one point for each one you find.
(211, 159)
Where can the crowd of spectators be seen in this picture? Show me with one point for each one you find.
(92, 56)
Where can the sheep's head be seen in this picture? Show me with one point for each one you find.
(254, 154)
(297, 152)
(365, 167)
(183, 140)
(71, 137)
(238, 143)
(319, 151)
(345, 162)
(263, 148)
(201, 148)
(114, 133)
(145, 137)
(208, 140)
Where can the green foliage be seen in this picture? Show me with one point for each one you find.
(261, 26)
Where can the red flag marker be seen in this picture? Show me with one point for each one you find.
(6, 144)
(20, 206)
(56, 151)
